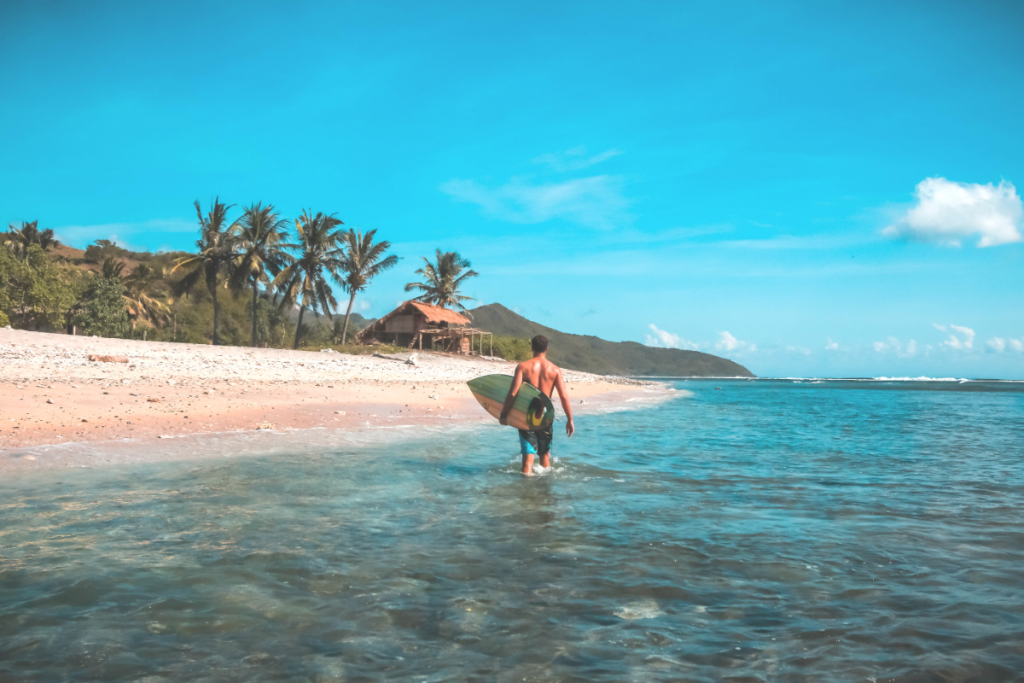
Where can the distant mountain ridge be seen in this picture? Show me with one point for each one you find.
(592, 354)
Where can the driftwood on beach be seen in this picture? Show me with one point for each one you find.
(108, 359)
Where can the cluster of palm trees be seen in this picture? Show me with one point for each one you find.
(255, 252)
(258, 251)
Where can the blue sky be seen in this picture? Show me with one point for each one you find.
(802, 187)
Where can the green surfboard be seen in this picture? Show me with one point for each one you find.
(532, 410)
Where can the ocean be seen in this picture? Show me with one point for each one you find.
(769, 530)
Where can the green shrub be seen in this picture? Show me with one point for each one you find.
(102, 309)
(35, 293)
(512, 348)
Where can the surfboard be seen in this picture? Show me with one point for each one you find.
(532, 410)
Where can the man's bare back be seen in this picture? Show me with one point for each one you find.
(541, 373)
(546, 376)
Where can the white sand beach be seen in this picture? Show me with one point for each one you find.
(59, 389)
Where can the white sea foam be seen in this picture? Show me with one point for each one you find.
(642, 609)
(877, 379)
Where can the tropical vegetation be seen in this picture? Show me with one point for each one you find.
(214, 252)
(304, 280)
(363, 260)
(257, 242)
(275, 276)
(443, 280)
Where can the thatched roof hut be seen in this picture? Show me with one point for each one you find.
(408, 324)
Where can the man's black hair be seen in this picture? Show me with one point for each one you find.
(539, 344)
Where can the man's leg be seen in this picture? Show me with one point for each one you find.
(528, 449)
(528, 464)
(544, 447)
(545, 459)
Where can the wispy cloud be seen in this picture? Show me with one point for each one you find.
(794, 242)
(959, 337)
(668, 340)
(947, 212)
(831, 345)
(121, 233)
(574, 159)
(892, 344)
(595, 202)
(999, 344)
(727, 342)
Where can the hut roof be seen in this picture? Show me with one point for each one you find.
(433, 314)
(436, 314)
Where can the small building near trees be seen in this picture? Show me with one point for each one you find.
(418, 325)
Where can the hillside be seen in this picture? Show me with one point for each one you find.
(591, 354)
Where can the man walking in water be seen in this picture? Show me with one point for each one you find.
(546, 376)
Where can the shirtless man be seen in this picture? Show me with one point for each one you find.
(546, 376)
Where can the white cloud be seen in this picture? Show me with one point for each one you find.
(831, 346)
(947, 212)
(799, 349)
(893, 344)
(667, 340)
(596, 202)
(959, 337)
(727, 342)
(997, 344)
(574, 159)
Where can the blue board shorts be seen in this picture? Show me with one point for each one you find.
(535, 443)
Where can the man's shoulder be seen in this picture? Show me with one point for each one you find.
(551, 366)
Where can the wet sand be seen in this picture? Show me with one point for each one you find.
(52, 393)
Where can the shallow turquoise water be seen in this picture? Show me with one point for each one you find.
(767, 531)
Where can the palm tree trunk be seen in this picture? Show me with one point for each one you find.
(254, 295)
(344, 330)
(216, 315)
(298, 327)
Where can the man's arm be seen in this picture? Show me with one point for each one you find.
(570, 428)
(517, 381)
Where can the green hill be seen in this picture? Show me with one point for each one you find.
(591, 354)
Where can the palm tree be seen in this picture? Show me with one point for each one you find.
(443, 280)
(18, 240)
(140, 305)
(259, 251)
(304, 281)
(112, 269)
(214, 255)
(361, 263)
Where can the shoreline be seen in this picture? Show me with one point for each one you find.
(53, 396)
